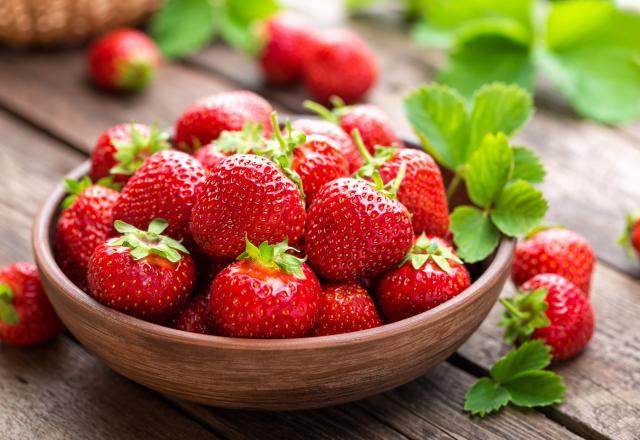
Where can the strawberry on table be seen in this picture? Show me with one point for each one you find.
(120, 150)
(346, 307)
(142, 273)
(430, 275)
(554, 250)
(26, 315)
(550, 308)
(123, 59)
(268, 293)
(84, 224)
(630, 239)
(195, 317)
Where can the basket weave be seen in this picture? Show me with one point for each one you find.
(65, 22)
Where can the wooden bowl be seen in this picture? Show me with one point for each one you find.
(262, 374)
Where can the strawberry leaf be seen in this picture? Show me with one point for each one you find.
(519, 208)
(535, 388)
(533, 355)
(484, 397)
(527, 166)
(474, 233)
(489, 169)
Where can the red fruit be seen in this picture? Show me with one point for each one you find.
(354, 230)
(196, 316)
(209, 156)
(553, 309)
(342, 140)
(85, 223)
(267, 294)
(208, 117)
(165, 186)
(630, 239)
(120, 150)
(286, 41)
(554, 250)
(123, 59)
(246, 196)
(430, 275)
(339, 64)
(143, 274)
(26, 315)
(346, 307)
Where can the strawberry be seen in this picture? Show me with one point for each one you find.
(120, 150)
(26, 315)
(165, 186)
(356, 229)
(554, 250)
(339, 63)
(143, 274)
(553, 309)
(286, 39)
(85, 223)
(429, 275)
(195, 317)
(341, 139)
(346, 307)
(422, 189)
(266, 294)
(209, 156)
(246, 196)
(123, 59)
(208, 117)
(630, 239)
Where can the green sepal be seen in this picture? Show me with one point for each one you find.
(135, 73)
(322, 111)
(525, 313)
(151, 241)
(425, 249)
(109, 182)
(130, 155)
(8, 313)
(389, 189)
(249, 139)
(74, 188)
(625, 238)
(382, 154)
(274, 256)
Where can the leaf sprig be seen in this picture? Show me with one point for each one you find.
(274, 256)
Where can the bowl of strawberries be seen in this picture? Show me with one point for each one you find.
(251, 263)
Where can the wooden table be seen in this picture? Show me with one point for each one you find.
(49, 118)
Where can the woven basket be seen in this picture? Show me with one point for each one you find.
(66, 22)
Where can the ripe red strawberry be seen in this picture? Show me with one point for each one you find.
(120, 150)
(209, 156)
(246, 196)
(554, 250)
(123, 59)
(165, 186)
(26, 315)
(342, 140)
(346, 307)
(339, 64)
(143, 274)
(208, 117)
(267, 294)
(430, 275)
(630, 239)
(553, 309)
(287, 38)
(195, 317)
(422, 189)
(356, 230)
(84, 223)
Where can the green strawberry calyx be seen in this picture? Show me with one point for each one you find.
(8, 313)
(624, 240)
(135, 73)
(274, 256)
(249, 139)
(151, 241)
(524, 314)
(371, 163)
(130, 154)
(75, 187)
(425, 249)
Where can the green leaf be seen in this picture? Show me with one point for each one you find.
(519, 208)
(474, 233)
(439, 118)
(533, 355)
(574, 22)
(183, 27)
(426, 34)
(245, 13)
(484, 397)
(527, 166)
(536, 388)
(489, 169)
(452, 14)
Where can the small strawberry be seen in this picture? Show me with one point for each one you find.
(143, 274)
(120, 150)
(630, 239)
(327, 129)
(246, 196)
(422, 189)
(345, 308)
(553, 309)
(26, 315)
(554, 250)
(286, 40)
(195, 317)
(123, 59)
(209, 156)
(165, 186)
(339, 63)
(430, 275)
(208, 117)
(266, 294)
(356, 229)
(84, 224)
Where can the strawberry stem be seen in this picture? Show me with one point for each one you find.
(453, 187)
(321, 111)
(362, 149)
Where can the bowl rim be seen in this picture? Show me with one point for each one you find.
(43, 252)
